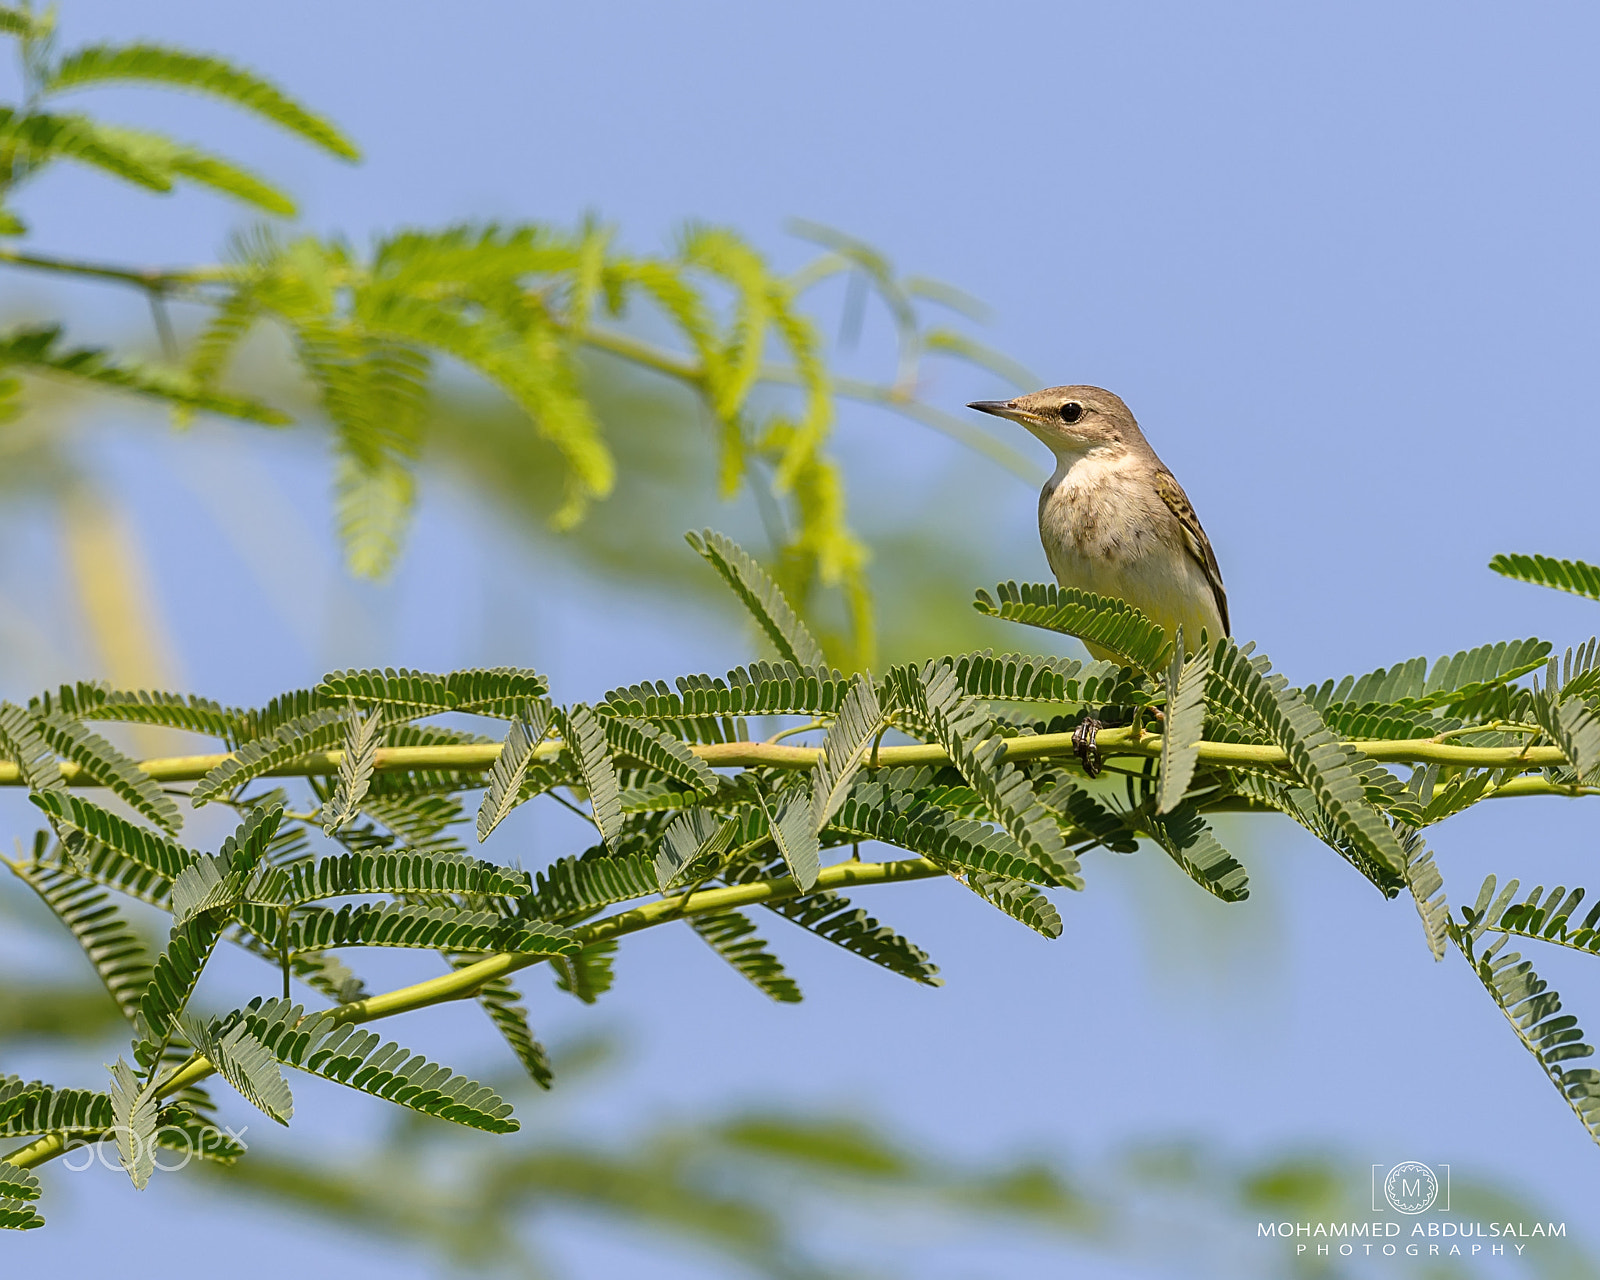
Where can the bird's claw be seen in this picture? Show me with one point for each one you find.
(1083, 744)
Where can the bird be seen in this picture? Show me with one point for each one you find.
(1115, 521)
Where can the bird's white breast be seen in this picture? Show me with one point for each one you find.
(1105, 529)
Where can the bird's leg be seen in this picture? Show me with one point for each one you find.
(1083, 744)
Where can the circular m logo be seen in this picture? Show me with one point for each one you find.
(1411, 1187)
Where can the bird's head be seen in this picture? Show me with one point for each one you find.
(1071, 420)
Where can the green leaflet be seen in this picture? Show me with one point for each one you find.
(1301, 805)
(1084, 821)
(1185, 723)
(359, 756)
(35, 1108)
(761, 597)
(197, 73)
(404, 691)
(762, 688)
(1411, 685)
(71, 814)
(34, 348)
(961, 725)
(1018, 899)
(1534, 1012)
(586, 742)
(1189, 841)
(830, 916)
(1543, 917)
(505, 790)
(23, 742)
(850, 739)
(167, 710)
(1427, 890)
(321, 1045)
(502, 1002)
(116, 951)
(1114, 625)
(642, 741)
(732, 936)
(586, 974)
(133, 1116)
(1320, 760)
(405, 871)
(244, 1062)
(692, 846)
(315, 731)
(112, 769)
(1016, 677)
(395, 924)
(500, 693)
(17, 1186)
(574, 887)
(789, 817)
(1546, 571)
(177, 969)
(874, 811)
(1572, 725)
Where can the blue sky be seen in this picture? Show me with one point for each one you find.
(1340, 261)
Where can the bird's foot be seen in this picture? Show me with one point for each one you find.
(1083, 744)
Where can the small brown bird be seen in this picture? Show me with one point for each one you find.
(1113, 519)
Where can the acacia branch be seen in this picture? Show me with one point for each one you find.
(480, 757)
(465, 982)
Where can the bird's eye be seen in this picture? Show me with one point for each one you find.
(1071, 411)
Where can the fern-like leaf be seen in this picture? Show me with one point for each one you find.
(1324, 764)
(503, 1003)
(1189, 841)
(357, 760)
(1545, 571)
(22, 741)
(789, 816)
(761, 596)
(1534, 1012)
(505, 790)
(1427, 891)
(732, 936)
(112, 769)
(290, 741)
(1019, 900)
(1113, 625)
(845, 749)
(82, 823)
(321, 1045)
(586, 740)
(829, 915)
(133, 1116)
(691, 846)
(574, 887)
(1185, 723)
(116, 951)
(403, 872)
(587, 974)
(395, 924)
(650, 746)
(197, 73)
(244, 1062)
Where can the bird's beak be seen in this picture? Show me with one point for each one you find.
(1004, 409)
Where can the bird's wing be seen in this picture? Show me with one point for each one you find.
(1194, 538)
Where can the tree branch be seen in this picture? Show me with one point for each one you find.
(465, 982)
(1040, 746)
